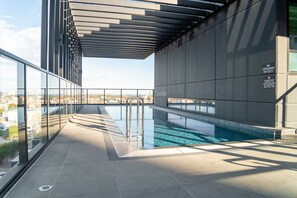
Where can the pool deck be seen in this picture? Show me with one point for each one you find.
(82, 162)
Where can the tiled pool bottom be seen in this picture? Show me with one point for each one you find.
(169, 130)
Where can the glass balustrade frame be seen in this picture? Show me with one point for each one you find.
(45, 103)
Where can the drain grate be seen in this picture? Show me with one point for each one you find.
(45, 188)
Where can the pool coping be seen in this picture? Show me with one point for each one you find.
(125, 150)
(255, 130)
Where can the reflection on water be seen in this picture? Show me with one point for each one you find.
(164, 129)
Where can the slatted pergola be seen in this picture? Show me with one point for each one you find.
(134, 29)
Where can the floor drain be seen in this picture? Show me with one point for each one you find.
(45, 188)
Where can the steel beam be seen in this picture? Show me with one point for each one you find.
(126, 26)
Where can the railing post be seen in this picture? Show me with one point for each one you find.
(130, 120)
(47, 106)
(87, 96)
(81, 97)
(137, 116)
(121, 96)
(284, 112)
(142, 122)
(104, 96)
(22, 123)
(153, 97)
(127, 118)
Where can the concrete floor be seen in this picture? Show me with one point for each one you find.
(82, 162)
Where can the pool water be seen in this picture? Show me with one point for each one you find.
(163, 129)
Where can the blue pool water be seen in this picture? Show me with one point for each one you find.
(166, 130)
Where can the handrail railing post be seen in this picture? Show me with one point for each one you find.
(87, 96)
(121, 97)
(130, 121)
(142, 117)
(137, 116)
(104, 96)
(127, 118)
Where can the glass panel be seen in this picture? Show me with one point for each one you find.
(128, 94)
(44, 106)
(63, 102)
(73, 98)
(54, 107)
(112, 96)
(211, 107)
(95, 96)
(293, 26)
(184, 103)
(204, 106)
(293, 61)
(36, 84)
(147, 95)
(191, 104)
(174, 102)
(80, 97)
(70, 102)
(11, 112)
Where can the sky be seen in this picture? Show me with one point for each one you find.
(20, 25)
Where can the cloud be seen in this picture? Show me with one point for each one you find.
(96, 80)
(106, 75)
(24, 43)
(8, 17)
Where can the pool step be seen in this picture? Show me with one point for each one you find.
(287, 133)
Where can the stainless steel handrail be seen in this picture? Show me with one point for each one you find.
(129, 131)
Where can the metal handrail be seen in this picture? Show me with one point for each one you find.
(129, 131)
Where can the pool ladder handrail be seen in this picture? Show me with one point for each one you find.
(129, 131)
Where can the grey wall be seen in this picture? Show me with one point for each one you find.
(224, 63)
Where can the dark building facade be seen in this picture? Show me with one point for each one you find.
(61, 51)
(241, 61)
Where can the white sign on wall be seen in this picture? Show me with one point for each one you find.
(268, 69)
(269, 82)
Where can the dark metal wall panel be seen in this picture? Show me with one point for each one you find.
(176, 65)
(176, 91)
(246, 42)
(57, 21)
(200, 57)
(44, 35)
(161, 70)
(201, 90)
(51, 35)
(224, 62)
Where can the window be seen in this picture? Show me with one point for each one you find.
(293, 37)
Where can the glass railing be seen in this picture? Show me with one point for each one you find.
(115, 96)
(196, 105)
(34, 106)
